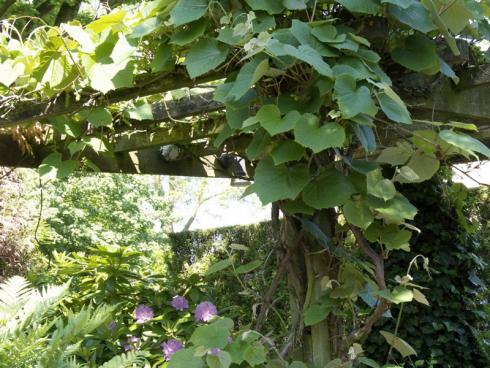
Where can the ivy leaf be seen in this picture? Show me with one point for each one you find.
(248, 75)
(399, 344)
(358, 213)
(185, 358)
(186, 11)
(270, 6)
(98, 117)
(287, 151)
(213, 335)
(423, 165)
(308, 133)
(353, 101)
(273, 183)
(316, 313)
(270, 119)
(189, 32)
(294, 4)
(361, 6)
(416, 16)
(464, 142)
(330, 189)
(393, 106)
(418, 53)
(204, 56)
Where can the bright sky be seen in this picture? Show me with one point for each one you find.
(228, 209)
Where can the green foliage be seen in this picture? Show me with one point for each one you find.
(446, 331)
(109, 210)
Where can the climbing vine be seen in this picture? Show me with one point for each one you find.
(312, 86)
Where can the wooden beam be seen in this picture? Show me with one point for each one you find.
(25, 112)
(173, 133)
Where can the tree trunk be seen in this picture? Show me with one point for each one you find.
(309, 264)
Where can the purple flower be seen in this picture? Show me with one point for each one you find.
(230, 339)
(179, 303)
(170, 347)
(143, 314)
(205, 311)
(112, 326)
(214, 351)
(132, 344)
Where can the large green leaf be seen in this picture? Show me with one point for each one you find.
(270, 6)
(456, 16)
(255, 354)
(98, 116)
(423, 165)
(186, 11)
(310, 134)
(418, 53)
(249, 74)
(316, 313)
(249, 267)
(393, 106)
(53, 167)
(204, 56)
(213, 335)
(220, 360)
(273, 183)
(330, 189)
(146, 27)
(185, 358)
(310, 56)
(353, 101)
(189, 32)
(287, 151)
(107, 21)
(416, 16)
(396, 210)
(464, 142)
(399, 344)
(379, 186)
(358, 213)
(219, 266)
(361, 6)
(294, 4)
(260, 145)
(163, 60)
(394, 156)
(270, 119)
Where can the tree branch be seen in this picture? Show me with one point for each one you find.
(383, 304)
(269, 294)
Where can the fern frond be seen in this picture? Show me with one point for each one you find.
(128, 360)
(14, 293)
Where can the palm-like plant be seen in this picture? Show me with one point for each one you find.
(32, 335)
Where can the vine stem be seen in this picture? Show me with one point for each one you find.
(395, 333)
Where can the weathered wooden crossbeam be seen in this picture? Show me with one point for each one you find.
(137, 150)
